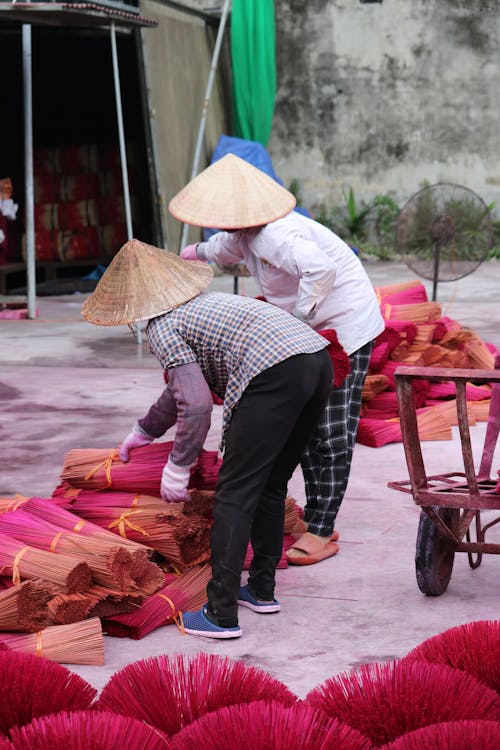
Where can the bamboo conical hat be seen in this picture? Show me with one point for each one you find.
(231, 194)
(143, 281)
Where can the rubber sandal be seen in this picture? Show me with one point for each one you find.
(313, 551)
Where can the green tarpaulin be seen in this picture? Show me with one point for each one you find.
(254, 69)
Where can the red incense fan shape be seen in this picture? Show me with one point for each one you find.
(473, 647)
(452, 735)
(31, 686)
(268, 725)
(82, 730)
(171, 692)
(384, 701)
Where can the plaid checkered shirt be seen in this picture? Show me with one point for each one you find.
(232, 338)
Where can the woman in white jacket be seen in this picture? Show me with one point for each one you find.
(304, 268)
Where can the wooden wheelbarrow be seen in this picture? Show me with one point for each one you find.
(451, 503)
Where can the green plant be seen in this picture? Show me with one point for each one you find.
(368, 226)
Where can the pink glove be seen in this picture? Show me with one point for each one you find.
(134, 439)
(189, 252)
(174, 482)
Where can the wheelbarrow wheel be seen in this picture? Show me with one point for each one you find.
(434, 553)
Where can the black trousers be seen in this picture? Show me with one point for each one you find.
(269, 429)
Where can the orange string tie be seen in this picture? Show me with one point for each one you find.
(379, 296)
(17, 501)
(55, 541)
(123, 521)
(79, 526)
(16, 576)
(135, 501)
(176, 613)
(39, 642)
(106, 465)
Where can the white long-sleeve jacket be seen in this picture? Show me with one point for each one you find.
(304, 268)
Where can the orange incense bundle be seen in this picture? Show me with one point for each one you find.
(24, 607)
(374, 384)
(382, 291)
(12, 503)
(420, 312)
(78, 643)
(185, 593)
(378, 432)
(70, 573)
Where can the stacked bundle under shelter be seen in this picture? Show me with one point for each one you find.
(79, 205)
(417, 334)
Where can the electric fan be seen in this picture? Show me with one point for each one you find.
(444, 232)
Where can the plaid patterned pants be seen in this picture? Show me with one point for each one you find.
(326, 462)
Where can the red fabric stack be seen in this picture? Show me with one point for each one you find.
(79, 205)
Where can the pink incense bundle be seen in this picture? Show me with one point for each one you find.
(146, 575)
(447, 389)
(78, 643)
(185, 593)
(110, 564)
(378, 432)
(85, 729)
(382, 406)
(340, 360)
(409, 296)
(389, 336)
(96, 469)
(406, 329)
(379, 356)
(70, 573)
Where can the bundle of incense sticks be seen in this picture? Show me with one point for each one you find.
(102, 469)
(382, 291)
(182, 594)
(374, 384)
(70, 573)
(110, 564)
(410, 296)
(24, 606)
(447, 389)
(78, 643)
(11, 503)
(378, 432)
(146, 575)
(420, 312)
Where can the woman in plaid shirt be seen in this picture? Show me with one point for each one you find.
(274, 374)
(304, 268)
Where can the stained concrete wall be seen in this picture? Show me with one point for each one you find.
(384, 96)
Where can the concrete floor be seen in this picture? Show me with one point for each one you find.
(67, 384)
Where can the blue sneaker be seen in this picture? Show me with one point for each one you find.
(197, 623)
(256, 605)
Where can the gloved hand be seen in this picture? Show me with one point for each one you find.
(189, 252)
(174, 482)
(134, 439)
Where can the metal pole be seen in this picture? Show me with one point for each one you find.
(208, 91)
(28, 162)
(123, 152)
(121, 136)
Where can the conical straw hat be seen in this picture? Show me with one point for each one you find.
(231, 194)
(142, 282)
